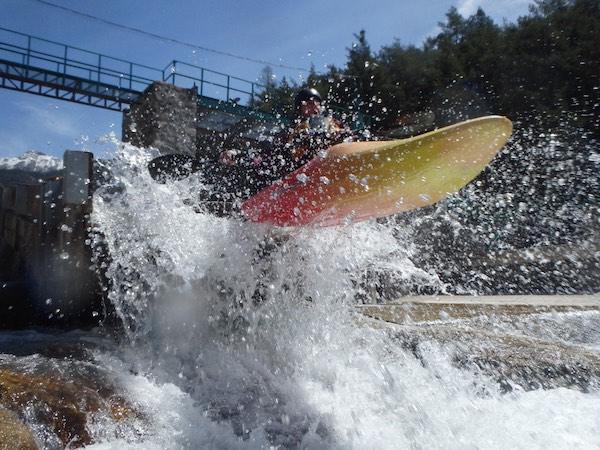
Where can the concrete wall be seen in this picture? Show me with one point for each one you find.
(164, 117)
(177, 120)
(45, 251)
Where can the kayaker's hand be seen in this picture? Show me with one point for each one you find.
(228, 157)
(257, 161)
(299, 152)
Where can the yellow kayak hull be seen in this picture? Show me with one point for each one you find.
(366, 180)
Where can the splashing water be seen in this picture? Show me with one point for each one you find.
(243, 336)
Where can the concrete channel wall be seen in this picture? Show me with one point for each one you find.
(44, 227)
(164, 117)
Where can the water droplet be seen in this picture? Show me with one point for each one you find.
(302, 178)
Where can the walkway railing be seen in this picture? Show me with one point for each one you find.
(74, 61)
(210, 83)
(20, 52)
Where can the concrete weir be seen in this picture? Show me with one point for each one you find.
(44, 247)
(47, 276)
(520, 341)
(422, 309)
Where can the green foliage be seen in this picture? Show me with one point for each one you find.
(276, 98)
(545, 67)
(555, 62)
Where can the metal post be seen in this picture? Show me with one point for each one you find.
(201, 81)
(130, 74)
(28, 49)
(65, 60)
(99, 65)
(228, 87)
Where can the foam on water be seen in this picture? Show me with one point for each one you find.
(241, 336)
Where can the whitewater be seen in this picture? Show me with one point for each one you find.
(238, 335)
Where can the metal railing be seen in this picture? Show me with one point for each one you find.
(96, 67)
(76, 62)
(210, 83)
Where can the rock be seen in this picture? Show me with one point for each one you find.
(62, 407)
(14, 434)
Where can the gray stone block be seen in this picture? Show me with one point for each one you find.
(77, 177)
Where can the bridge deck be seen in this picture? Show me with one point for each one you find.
(39, 66)
(48, 83)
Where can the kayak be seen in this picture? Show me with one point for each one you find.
(358, 181)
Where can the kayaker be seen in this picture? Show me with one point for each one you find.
(313, 131)
(241, 174)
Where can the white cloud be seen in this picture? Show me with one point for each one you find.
(32, 161)
(498, 9)
(468, 7)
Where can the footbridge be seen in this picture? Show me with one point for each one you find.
(52, 69)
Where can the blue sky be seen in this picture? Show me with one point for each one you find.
(298, 33)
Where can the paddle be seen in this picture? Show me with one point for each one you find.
(173, 167)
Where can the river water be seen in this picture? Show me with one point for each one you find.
(240, 336)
